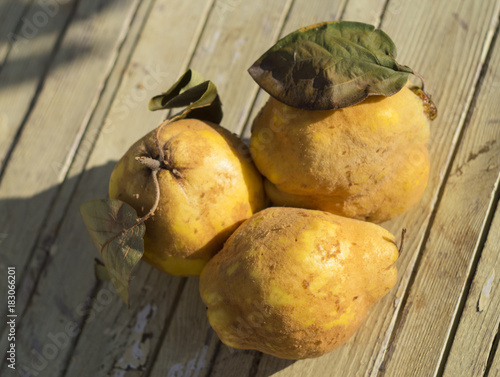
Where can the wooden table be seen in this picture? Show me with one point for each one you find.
(75, 78)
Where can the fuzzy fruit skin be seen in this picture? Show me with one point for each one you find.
(218, 189)
(297, 283)
(368, 161)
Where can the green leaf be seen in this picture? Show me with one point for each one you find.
(118, 236)
(188, 80)
(200, 99)
(330, 65)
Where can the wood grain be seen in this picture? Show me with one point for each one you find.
(367, 11)
(440, 282)
(52, 222)
(190, 343)
(478, 327)
(480, 318)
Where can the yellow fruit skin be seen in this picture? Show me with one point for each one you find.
(297, 283)
(219, 188)
(368, 161)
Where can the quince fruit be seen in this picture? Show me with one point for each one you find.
(367, 161)
(297, 283)
(207, 188)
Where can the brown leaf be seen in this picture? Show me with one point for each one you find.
(114, 229)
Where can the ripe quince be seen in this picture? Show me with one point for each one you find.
(368, 161)
(208, 186)
(297, 283)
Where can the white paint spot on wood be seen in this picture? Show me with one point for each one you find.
(142, 319)
(138, 346)
(193, 367)
(485, 293)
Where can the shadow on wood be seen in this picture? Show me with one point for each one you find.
(42, 23)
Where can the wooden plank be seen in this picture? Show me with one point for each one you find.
(410, 27)
(236, 34)
(103, 337)
(154, 65)
(448, 256)
(480, 319)
(481, 314)
(11, 12)
(190, 343)
(494, 368)
(24, 70)
(366, 11)
(57, 122)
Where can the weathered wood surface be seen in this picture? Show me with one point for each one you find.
(29, 47)
(48, 143)
(74, 97)
(11, 13)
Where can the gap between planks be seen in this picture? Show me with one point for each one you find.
(493, 351)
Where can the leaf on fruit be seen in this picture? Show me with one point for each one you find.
(199, 97)
(118, 236)
(330, 65)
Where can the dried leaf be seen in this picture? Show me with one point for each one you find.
(199, 98)
(330, 65)
(118, 236)
(188, 80)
